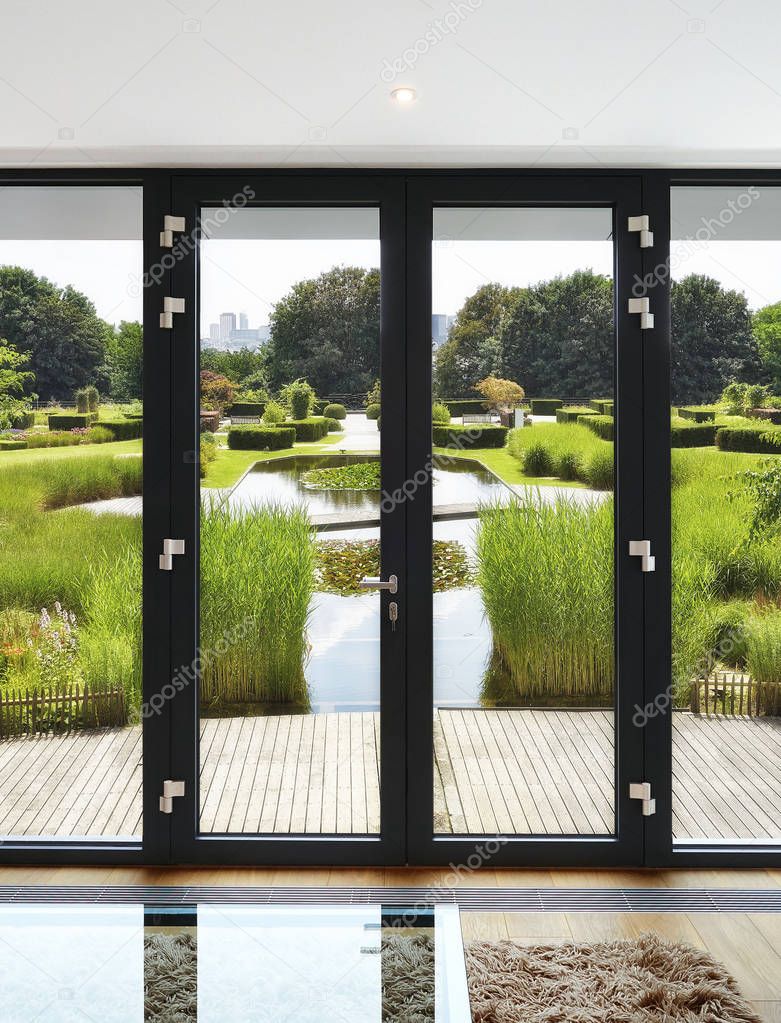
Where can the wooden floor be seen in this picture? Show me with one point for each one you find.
(496, 771)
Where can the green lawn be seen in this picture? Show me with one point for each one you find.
(229, 466)
(507, 467)
(26, 456)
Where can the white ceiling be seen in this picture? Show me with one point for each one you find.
(500, 82)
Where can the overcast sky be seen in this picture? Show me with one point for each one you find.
(250, 276)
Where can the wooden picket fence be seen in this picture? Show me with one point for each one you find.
(61, 709)
(727, 692)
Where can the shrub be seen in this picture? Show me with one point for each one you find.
(546, 578)
(81, 398)
(599, 404)
(207, 452)
(699, 413)
(545, 406)
(373, 411)
(93, 398)
(217, 391)
(12, 445)
(537, 460)
(257, 584)
(335, 411)
(464, 406)
(98, 435)
(759, 441)
(261, 438)
(685, 434)
(299, 396)
(374, 395)
(23, 421)
(250, 409)
(469, 436)
(572, 413)
(71, 421)
(273, 414)
(311, 429)
(599, 470)
(440, 413)
(123, 429)
(334, 426)
(602, 426)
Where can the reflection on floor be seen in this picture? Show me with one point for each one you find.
(497, 771)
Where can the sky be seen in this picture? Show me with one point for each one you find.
(250, 276)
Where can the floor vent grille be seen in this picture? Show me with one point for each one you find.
(526, 900)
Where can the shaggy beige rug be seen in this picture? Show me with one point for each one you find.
(170, 978)
(642, 981)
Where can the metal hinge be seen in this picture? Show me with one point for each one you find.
(642, 791)
(643, 307)
(170, 547)
(171, 791)
(170, 306)
(170, 224)
(642, 226)
(642, 549)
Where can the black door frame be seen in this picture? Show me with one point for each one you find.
(190, 193)
(622, 194)
(161, 381)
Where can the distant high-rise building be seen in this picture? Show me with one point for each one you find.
(243, 321)
(264, 332)
(214, 332)
(439, 326)
(227, 325)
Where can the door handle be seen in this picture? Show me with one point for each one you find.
(373, 582)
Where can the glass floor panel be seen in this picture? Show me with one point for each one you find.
(211, 963)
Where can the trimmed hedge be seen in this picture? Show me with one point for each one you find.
(12, 445)
(260, 438)
(469, 436)
(761, 441)
(598, 404)
(770, 415)
(572, 413)
(698, 414)
(335, 411)
(71, 420)
(464, 406)
(373, 411)
(692, 435)
(24, 421)
(123, 429)
(313, 428)
(254, 409)
(602, 426)
(545, 406)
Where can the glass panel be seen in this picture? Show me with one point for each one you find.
(523, 348)
(215, 962)
(726, 496)
(70, 493)
(290, 362)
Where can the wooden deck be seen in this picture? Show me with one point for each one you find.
(543, 772)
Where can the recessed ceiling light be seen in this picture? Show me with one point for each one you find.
(404, 95)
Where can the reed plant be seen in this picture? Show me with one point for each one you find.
(545, 573)
(257, 581)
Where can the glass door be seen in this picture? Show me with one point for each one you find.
(524, 440)
(288, 436)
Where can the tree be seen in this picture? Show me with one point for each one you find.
(471, 351)
(712, 341)
(500, 395)
(216, 390)
(328, 330)
(766, 324)
(245, 366)
(57, 327)
(125, 360)
(559, 338)
(14, 379)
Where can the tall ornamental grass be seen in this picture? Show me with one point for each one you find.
(546, 577)
(257, 581)
(763, 655)
(568, 451)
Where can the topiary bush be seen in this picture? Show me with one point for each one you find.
(81, 397)
(334, 426)
(261, 438)
(71, 420)
(545, 406)
(299, 397)
(93, 398)
(373, 411)
(759, 441)
(123, 429)
(311, 429)
(469, 436)
(602, 426)
(440, 413)
(335, 411)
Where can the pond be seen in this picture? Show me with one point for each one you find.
(456, 481)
